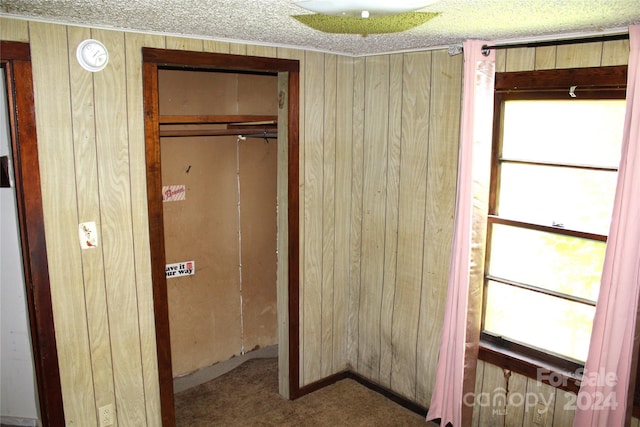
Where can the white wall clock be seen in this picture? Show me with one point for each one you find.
(92, 55)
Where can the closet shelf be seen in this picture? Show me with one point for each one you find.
(219, 119)
(245, 131)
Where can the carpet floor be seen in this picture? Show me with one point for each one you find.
(248, 396)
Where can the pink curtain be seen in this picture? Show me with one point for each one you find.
(455, 374)
(602, 400)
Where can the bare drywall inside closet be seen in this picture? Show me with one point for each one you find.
(226, 223)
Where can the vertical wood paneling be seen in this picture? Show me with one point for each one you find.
(615, 53)
(520, 59)
(215, 46)
(411, 222)
(55, 145)
(344, 155)
(492, 397)
(579, 55)
(117, 235)
(563, 412)
(546, 57)
(501, 61)
(444, 125)
(84, 137)
(357, 175)
(516, 392)
(475, 420)
(183, 43)
(311, 286)
(264, 51)
(140, 220)
(374, 194)
(237, 49)
(539, 393)
(391, 220)
(328, 214)
(14, 30)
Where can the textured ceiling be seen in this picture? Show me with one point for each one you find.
(270, 22)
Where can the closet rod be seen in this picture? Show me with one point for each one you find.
(612, 37)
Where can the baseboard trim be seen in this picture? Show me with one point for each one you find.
(389, 394)
(348, 374)
(317, 385)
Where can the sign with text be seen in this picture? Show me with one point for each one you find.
(185, 268)
(173, 193)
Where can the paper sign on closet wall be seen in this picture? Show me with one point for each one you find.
(185, 268)
(173, 193)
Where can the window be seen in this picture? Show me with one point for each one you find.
(556, 150)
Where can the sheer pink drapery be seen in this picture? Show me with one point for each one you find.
(460, 333)
(602, 400)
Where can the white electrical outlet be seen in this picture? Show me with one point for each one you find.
(107, 415)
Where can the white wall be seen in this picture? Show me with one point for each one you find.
(17, 393)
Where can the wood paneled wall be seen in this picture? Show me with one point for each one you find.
(378, 164)
(492, 381)
(405, 147)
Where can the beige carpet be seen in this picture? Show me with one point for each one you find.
(247, 396)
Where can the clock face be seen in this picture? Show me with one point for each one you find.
(92, 55)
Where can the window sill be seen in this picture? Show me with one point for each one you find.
(565, 375)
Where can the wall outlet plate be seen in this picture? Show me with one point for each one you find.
(540, 414)
(107, 415)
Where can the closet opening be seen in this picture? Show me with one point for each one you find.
(219, 176)
(222, 181)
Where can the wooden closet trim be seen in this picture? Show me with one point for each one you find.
(154, 59)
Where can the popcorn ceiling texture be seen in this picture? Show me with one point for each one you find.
(270, 22)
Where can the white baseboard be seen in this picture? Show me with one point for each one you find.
(210, 372)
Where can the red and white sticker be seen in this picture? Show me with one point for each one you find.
(174, 193)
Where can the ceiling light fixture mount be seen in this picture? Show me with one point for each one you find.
(363, 8)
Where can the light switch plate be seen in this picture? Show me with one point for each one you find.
(88, 234)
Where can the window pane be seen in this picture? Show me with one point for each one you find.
(542, 321)
(564, 131)
(578, 199)
(559, 263)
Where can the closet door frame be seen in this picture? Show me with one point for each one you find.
(288, 224)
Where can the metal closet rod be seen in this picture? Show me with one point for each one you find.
(612, 37)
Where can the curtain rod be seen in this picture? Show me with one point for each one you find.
(624, 36)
